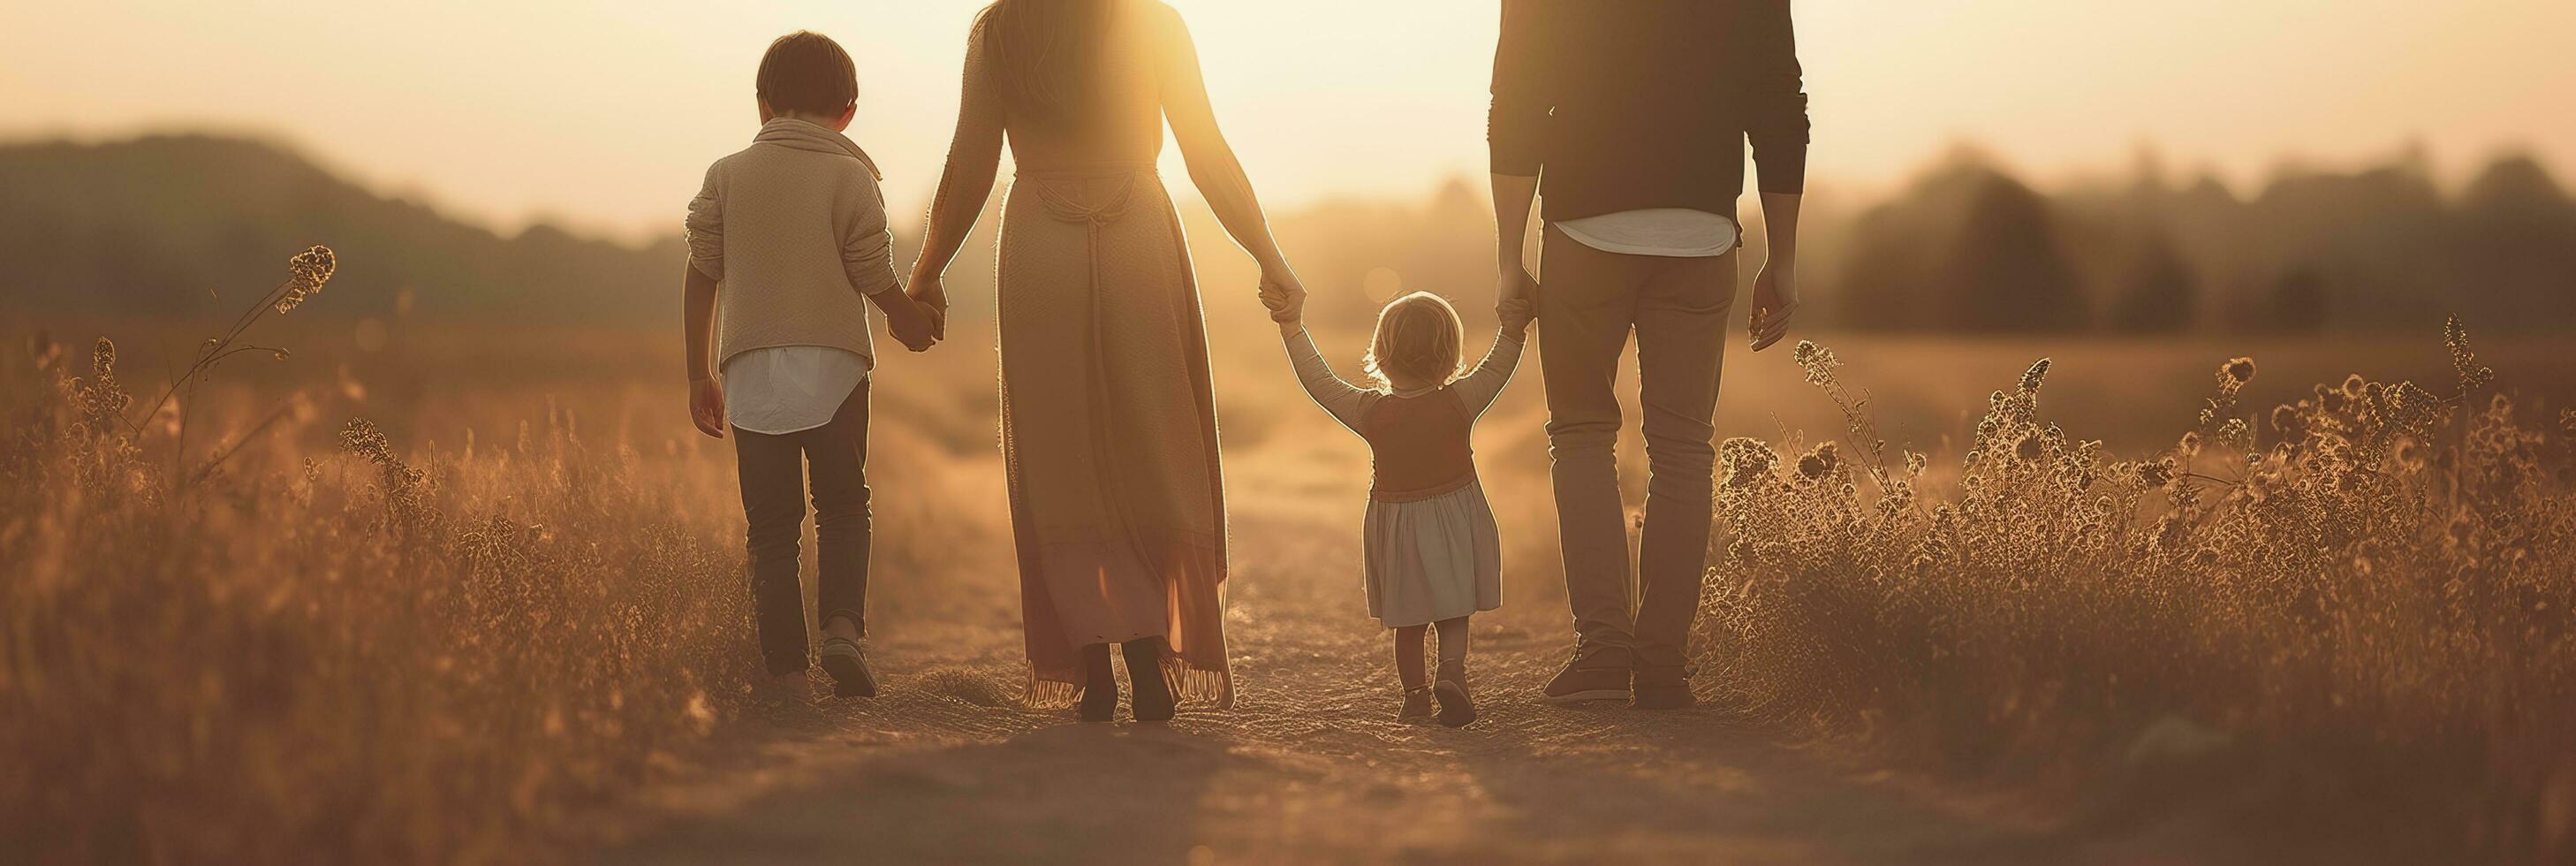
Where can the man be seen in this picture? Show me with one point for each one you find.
(1638, 113)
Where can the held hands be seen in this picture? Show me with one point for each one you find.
(918, 315)
(931, 293)
(1517, 314)
(1515, 283)
(706, 407)
(911, 324)
(1775, 299)
(1516, 298)
(1284, 295)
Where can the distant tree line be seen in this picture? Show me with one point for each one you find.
(158, 226)
(1967, 247)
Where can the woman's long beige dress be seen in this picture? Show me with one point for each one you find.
(1108, 417)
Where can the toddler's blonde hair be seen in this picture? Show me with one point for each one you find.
(1417, 338)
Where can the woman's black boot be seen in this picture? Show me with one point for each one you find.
(1099, 685)
(1152, 701)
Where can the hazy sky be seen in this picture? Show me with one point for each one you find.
(603, 114)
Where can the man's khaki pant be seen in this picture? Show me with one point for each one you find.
(1589, 301)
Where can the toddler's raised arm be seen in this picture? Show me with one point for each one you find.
(1479, 388)
(1345, 402)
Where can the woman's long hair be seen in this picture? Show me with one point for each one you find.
(1047, 54)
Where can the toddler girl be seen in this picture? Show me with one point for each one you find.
(1432, 554)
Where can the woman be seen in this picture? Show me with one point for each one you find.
(1108, 419)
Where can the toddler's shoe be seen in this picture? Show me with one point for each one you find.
(1457, 708)
(1417, 705)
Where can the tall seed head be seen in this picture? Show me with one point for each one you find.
(305, 275)
(2029, 448)
(102, 359)
(2236, 372)
(1818, 462)
(2031, 378)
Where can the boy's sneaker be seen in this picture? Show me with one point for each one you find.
(1596, 673)
(786, 688)
(848, 666)
(1663, 687)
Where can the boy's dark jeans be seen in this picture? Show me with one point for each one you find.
(773, 469)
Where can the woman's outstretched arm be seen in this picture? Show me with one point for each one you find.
(1213, 167)
(973, 157)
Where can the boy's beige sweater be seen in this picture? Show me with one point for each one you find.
(793, 229)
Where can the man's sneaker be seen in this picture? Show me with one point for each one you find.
(848, 666)
(1596, 673)
(787, 688)
(1663, 688)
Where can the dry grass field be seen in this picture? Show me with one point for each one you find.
(459, 595)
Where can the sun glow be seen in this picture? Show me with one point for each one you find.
(602, 115)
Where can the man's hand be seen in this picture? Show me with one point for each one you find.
(706, 407)
(1516, 314)
(1775, 299)
(931, 293)
(1515, 284)
(1775, 289)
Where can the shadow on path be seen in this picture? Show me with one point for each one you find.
(1310, 766)
(1046, 795)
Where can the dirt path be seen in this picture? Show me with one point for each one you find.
(1309, 767)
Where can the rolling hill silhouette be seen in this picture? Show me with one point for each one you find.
(160, 226)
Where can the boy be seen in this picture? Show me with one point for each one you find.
(793, 230)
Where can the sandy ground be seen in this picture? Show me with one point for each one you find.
(1310, 766)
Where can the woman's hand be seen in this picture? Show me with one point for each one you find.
(1286, 308)
(911, 323)
(931, 293)
(1283, 294)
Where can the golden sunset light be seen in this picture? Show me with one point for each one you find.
(592, 113)
(1323, 431)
